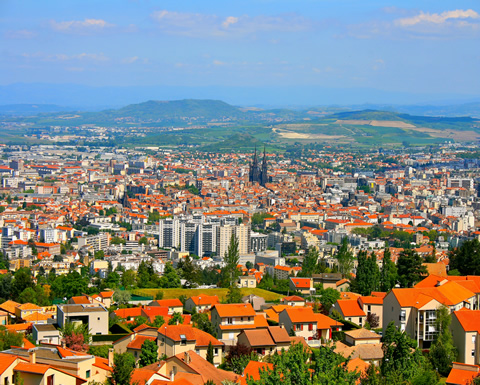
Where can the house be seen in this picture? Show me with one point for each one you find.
(177, 339)
(462, 374)
(293, 300)
(361, 336)
(413, 310)
(46, 334)
(134, 341)
(193, 368)
(302, 285)
(105, 297)
(174, 305)
(465, 327)
(9, 307)
(3, 317)
(252, 371)
(95, 316)
(307, 324)
(350, 310)
(247, 281)
(373, 305)
(256, 301)
(201, 303)
(265, 341)
(327, 280)
(40, 374)
(230, 319)
(8, 363)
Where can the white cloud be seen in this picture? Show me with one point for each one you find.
(130, 60)
(20, 34)
(218, 63)
(77, 26)
(437, 18)
(208, 25)
(229, 21)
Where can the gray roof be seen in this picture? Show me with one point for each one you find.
(46, 328)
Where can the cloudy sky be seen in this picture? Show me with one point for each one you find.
(396, 46)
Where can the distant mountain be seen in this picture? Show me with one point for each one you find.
(32, 109)
(176, 109)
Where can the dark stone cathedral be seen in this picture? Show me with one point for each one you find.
(259, 173)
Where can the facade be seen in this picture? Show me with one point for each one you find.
(231, 319)
(258, 173)
(46, 334)
(201, 303)
(465, 327)
(95, 316)
(265, 341)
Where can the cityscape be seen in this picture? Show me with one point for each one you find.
(186, 215)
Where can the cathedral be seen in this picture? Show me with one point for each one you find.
(258, 173)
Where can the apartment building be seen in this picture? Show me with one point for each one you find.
(94, 315)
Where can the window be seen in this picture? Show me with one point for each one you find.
(310, 327)
(360, 321)
(229, 321)
(473, 352)
(98, 318)
(403, 315)
(197, 351)
(87, 374)
(7, 381)
(215, 351)
(183, 339)
(50, 380)
(473, 339)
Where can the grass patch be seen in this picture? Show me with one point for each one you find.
(221, 293)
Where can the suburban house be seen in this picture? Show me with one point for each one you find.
(95, 316)
(265, 340)
(307, 324)
(48, 334)
(414, 309)
(231, 319)
(373, 304)
(247, 281)
(174, 305)
(104, 297)
(256, 301)
(350, 310)
(201, 303)
(462, 374)
(302, 285)
(134, 341)
(293, 300)
(465, 327)
(327, 280)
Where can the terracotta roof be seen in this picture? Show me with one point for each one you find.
(462, 374)
(252, 371)
(175, 302)
(235, 310)
(468, 319)
(350, 308)
(362, 334)
(82, 299)
(9, 306)
(141, 376)
(301, 283)
(6, 360)
(204, 299)
(138, 341)
(201, 338)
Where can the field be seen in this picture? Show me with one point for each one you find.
(221, 293)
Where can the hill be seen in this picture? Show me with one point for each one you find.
(31, 109)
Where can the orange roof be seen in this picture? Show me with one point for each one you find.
(6, 360)
(9, 306)
(468, 319)
(175, 302)
(106, 294)
(201, 338)
(252, 371)
(350, 308)
(235, 310)
(462, 374)
(138, 342)
(204, 299)
(301, 314)
(141, 376)
(31, 368)
(301, 283)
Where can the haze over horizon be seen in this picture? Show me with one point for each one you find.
(254, 52)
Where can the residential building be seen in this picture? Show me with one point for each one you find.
(94, 315)
(265, 341)
(201, 303)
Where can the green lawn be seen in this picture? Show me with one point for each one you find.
(221, 293)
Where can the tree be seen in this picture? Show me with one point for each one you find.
(128, 279)
(234, 294)
(410, 268)
(310, 262)
(122, 297)
(99, 254)
(21, 280)
(123, 365)
(368, 275)
(99, 351)
(176, 319)
(145, 273)
(76, 337)
(57, 258)
(373, 320)
(210, 352)
(69, 285)
(189, 272)
(158, 321)
(170, 278)
(202, 321)
(143, 241)
(466, 258)
(149, 353)
(388, 273)
(238, 357)
(6, 286)
(401, 357)
(344, 259)
(230, 272)
(328, 297)
(443, 352)
(9, 339)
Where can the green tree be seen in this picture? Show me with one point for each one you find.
(149, 353)
(143, 241)
(128, 279)
(9, 339)
(145, 273)
(410, 268)
(234, 295)
(170, 278)
(210, 352)
(176, 318)
(69, 285)
(466, 258)
(327, 298)
(230, 272)
(401, 357)
(123, 365)
(367, 278)
(99, 351)
(6, 281)
(202, 321)
(21, 280)
(388, 272)
(122, 297)
(158, 321)
(443, 352)
(344, 259)
(189, 272)
(310, 262)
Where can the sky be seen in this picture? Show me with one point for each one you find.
(405, 47)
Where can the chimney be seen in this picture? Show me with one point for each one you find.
(110, 357)
(186, 358)
(32, 354)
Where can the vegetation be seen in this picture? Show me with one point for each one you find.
(123, 365)
(466, 258)
(148, 354)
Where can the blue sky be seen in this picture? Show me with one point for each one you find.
(420, 47)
